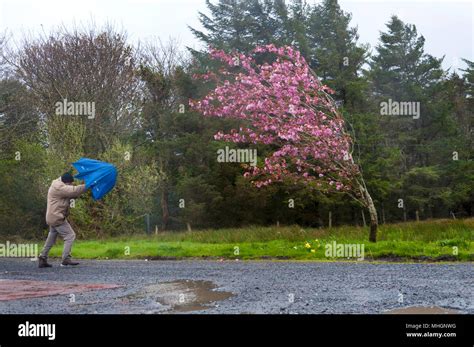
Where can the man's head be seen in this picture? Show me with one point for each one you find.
(67, 178)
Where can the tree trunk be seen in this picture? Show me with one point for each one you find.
(383, 214)
(164, 207)
(369, 204)
(147, 223)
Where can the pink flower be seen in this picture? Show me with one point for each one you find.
(283, 104)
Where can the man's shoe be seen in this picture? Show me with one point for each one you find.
(43, 262)
(69, 262)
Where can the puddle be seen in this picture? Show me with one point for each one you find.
(423, 310)
(183, 295)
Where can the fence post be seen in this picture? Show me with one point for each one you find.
(330, 219)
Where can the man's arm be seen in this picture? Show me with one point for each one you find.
(68, 191)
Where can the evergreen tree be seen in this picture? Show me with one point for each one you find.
(244, 24)
(335, 53)
(403, 72)
(229, 25)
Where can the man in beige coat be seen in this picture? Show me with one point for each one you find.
(60, 194)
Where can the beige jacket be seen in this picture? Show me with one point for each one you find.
(59, 195)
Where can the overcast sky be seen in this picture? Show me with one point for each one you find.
(446, 25)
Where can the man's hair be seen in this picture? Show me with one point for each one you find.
(67, 178)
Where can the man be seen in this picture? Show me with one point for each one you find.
(60, 193)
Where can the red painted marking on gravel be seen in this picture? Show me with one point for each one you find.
(23, 289)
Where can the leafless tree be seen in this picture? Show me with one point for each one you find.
(83, 64)
(17, 116)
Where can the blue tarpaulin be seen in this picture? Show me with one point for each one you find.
(98, 176)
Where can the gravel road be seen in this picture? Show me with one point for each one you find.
(243, 287)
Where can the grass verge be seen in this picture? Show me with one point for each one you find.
(442, 240)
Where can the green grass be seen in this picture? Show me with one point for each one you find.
(427, 240)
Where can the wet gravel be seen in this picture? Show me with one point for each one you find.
(257, 287)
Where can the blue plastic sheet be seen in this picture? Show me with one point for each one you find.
(99, 176)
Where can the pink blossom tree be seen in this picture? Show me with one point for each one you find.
(282, 103)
